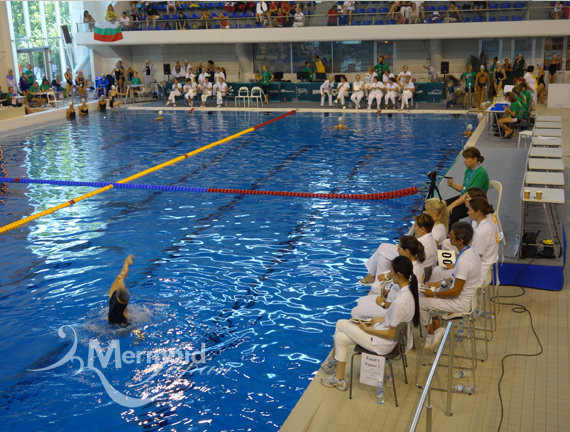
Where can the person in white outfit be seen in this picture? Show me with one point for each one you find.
(342, 91)
(219, 74)
(375, 93)
(486, 237)
(377, 335)
(326, 89)
(402, 76)
(386, 77)
(379, 263)
(147, 75)
(357, 92)
(384, 294)
(175, 91)
(190, 74)
(466, 277)
(206, 90)
(391, 92)
(190, 91)
(437, 209)
(369, 80)
(202, 77)
(221, 91)
(531, 82)
(407, 93)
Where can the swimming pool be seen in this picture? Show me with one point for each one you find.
(260, 281)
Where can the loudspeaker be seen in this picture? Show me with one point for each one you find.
(444, 68)
(166, 68)
(66, 35)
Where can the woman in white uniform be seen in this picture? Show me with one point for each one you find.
(378, 264)
(326, 89)
(369, 79)
(383, 296)
(391, 92)
(377, 335)
(407, 93)
(342, 91)
(221, 91)
(486, 237)
(206, 90)
(357, 92)
(437, 209)
(375, 93)
(176, 91)
(190, 91)
(465, 278)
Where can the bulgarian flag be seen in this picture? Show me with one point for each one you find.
(107, 31)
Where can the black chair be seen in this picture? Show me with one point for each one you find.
(399, 350)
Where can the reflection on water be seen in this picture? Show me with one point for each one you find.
(258, 281)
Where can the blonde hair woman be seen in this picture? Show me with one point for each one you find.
(437, 209)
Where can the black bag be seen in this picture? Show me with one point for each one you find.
(529, 244)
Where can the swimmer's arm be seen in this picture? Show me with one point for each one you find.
(120, 279)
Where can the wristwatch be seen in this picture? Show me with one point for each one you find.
(383, 304)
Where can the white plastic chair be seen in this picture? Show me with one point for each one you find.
(257, 95)
(243, 94)
(499, 188)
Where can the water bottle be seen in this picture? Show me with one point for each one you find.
(389, 378)
(460, 388)
(380, 392)
(516, 246)
(463, 374)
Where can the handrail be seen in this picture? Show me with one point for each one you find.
(322, 18)
(427, 386)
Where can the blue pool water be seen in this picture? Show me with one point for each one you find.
(259, 281)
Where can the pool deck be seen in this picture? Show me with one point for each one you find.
(534, 389)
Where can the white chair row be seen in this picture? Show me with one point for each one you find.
(245, 96)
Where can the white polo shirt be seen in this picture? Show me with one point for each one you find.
(402, 310)
(430, 249)
(486, 242)
(468, 268)
(439, 233)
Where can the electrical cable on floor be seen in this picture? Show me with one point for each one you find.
(517, 308)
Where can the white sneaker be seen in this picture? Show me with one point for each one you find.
(168, 102)
(429, 341)
(332, 381)
(329, 366)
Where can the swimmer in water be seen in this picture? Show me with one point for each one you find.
(70, 113)
(340, 125)
(119, 296)
(468, 131)
(159, 118)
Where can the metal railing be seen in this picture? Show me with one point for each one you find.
(426, 393)
(191, 22)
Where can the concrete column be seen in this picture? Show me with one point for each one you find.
(244, 54)
(6, 54)
(436, 53)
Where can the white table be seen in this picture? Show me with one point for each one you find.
(546, 141)
(548, 125)
(545, 152)
(548, 118)
(551, 199)
(547, 132)
(544, 179)
(541, 164)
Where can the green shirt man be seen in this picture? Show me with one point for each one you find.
(380, 67)
(307, 69)
(29, 75)
(266, 76)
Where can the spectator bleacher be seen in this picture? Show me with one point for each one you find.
(242, 14)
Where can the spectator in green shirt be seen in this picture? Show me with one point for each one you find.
(475, 176)
(511, 116)
(266, 77)
(380, 67)
(469, 77)
(136, 80)
(44, 87)
(29, 75)
(307, 69)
